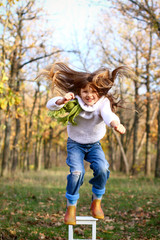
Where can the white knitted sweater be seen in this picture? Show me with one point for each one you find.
(91, 121)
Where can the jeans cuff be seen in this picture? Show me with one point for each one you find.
(72, 197)
(98, 191)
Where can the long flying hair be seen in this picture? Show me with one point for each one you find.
(68, 80)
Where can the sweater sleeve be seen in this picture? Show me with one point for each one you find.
(51, 104)
(107, 114)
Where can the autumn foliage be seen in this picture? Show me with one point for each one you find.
(29, 139)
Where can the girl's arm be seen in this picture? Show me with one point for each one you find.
(57, 103)
(51, 104)
(110, 118)
(69, 96)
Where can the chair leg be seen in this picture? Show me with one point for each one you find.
(70, 232)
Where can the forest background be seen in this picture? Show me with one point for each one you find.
(123, 33)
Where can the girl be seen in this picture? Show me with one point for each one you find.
(86, 127)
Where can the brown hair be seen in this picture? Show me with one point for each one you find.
(69, 80)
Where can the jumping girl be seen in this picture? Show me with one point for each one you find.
(90, 108)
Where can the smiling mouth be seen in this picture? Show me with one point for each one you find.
(90, 99)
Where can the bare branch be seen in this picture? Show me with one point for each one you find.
(44, 56)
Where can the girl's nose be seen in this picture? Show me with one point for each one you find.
(89, 93)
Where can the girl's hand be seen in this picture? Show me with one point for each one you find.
(118, 127)
(69, 96)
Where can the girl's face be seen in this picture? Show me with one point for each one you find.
(89, 95)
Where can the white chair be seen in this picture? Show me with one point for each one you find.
(83, 221)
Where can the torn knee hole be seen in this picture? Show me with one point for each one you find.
(76, 173)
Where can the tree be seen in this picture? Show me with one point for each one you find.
(157, 169)
(19, 49)
(146, 15)
(124, 44)
(145, 11)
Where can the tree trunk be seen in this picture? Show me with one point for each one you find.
(18, 57)
(47, 149)
(38, 140)
(50, 146)
(45, 154)
(57, 155)
(147, 154)
(135, 130)
(111, 158)
(11, 81)
(28, 132)
(3, 71)
(122, 167)
(15, 148)
(142, 140)
(157, 169)
(36, 157)
(123, 153)
(6, 149)
(17, 132)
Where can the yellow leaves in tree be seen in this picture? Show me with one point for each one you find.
(1, 87)
(3, 100)
(3, 103)
(19, 113)
(12, 1)
(8, 96)
(4, 77)
(11, 97)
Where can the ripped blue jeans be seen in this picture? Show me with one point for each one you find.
(93, 154)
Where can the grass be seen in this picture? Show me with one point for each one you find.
(32, 206)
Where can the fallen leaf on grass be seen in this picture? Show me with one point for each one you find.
(51, 199)
(131, 196)
(107, 219)
(58, 238)
(122, 228)
(41, 236)
(20, 212)
(13, 232)
(106, 229)
(83, 209)
(79, 231)
(61, 213)
(139, 209)
(41, 203)
(57, 224)
(53, 219)
(109, 228)
(18, 224)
